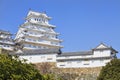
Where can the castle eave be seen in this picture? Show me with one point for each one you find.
(42, 43)
(88, 58)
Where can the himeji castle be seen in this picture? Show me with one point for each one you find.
(37, 33)
(37, 42)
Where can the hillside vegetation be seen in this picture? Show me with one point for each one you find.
(111, 71)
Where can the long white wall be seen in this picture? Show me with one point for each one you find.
(39, 58)
(82, 63)
(97, 59)
(73, 62)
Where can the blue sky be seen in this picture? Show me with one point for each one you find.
(83, 24)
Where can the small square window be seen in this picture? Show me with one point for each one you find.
(86, 60)
(49, 58)
(86, 64)
(62, 65)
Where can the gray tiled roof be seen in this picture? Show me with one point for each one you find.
(6, 32)
(104, 48)
(36, 51)
(76, 53)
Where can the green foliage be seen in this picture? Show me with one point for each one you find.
(11, 68)
(51, 77)
(111, 71)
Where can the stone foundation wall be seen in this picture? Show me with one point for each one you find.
(80, 71)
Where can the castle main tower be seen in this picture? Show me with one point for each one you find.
(37, 33)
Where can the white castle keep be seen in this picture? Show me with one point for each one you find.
(37, 33)
(39, 43)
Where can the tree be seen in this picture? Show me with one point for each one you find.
(11, 68)
(45, 67)
(111, 71)
(48, 71)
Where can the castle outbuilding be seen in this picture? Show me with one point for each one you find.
(6, 41)
(96, 57)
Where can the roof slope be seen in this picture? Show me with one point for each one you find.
(76, 53)
(36, 51)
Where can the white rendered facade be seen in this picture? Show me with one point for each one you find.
(39, 58)
(95, 58)
(37, 55)
(6, 42)
(37, 33)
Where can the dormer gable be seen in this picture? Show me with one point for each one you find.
(101, 46)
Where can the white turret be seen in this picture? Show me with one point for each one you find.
(6, 42)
